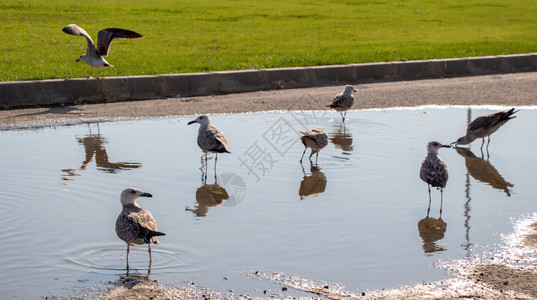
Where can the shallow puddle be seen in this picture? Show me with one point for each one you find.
(357, 217)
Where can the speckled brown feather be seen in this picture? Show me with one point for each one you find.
(135, 225)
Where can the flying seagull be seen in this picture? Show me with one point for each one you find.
(135, 225)
(94, 55)
(316, 139)
(484, 126)
(434, 171)
(343, 101)
(210, 139)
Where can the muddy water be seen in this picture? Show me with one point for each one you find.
(357, 217)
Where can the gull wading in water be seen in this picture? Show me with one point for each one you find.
(315, 139)
(434, 171)
(135, 225)
(210, 139)
(343, 101)
(484, 126)
(94, 54)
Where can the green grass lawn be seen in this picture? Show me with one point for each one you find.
(198, 36)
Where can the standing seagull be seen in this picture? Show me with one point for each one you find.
(343, 101)
(94, 56)
(316, 139)
(484, 126)
(135, 225)
(434, 171)
(210, 139)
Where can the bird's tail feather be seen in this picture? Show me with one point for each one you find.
(151, 234)
(509, 114)
(156, 233)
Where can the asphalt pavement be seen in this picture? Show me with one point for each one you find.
(513, 89)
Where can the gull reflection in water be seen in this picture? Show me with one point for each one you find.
(482, 170)
(312, 185)
(431, 231)
(208, 195)
(94, 146)
(132, 279)
(341, 139)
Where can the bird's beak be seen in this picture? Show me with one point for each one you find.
(354, 90)
(191, 122)
(453, 144)
(146, 195)
(78, 59)
(447, 146)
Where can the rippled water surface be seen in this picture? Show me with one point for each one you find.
(357, 218)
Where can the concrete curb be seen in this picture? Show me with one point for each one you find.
(78, 90)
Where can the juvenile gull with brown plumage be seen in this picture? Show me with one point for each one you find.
(315, 139)
(343, 101)
(484, 126)
(434, 170)
(135, 225)
(94, 55)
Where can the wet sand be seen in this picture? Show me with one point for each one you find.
(482, 279)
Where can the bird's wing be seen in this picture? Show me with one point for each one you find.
(434, 172)
(319, 136)
(144, 219)
(483, 123)
(322, 139)
(214, 139)
(343, 101)
(336, 102)
(74, 29)
(106, 36)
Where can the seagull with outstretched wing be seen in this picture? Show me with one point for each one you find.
(94, 54)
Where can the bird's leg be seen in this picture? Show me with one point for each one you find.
(311, 154)
(91, 71)
(488, 142)
(99, 72)
(482, 143)
(128, 249)
(316, 157)
(205, 166)
(202, 169)
(344, 116)
(441, 200)
(303, 154)
(149, 250)
(215, 159)
(429, 207)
